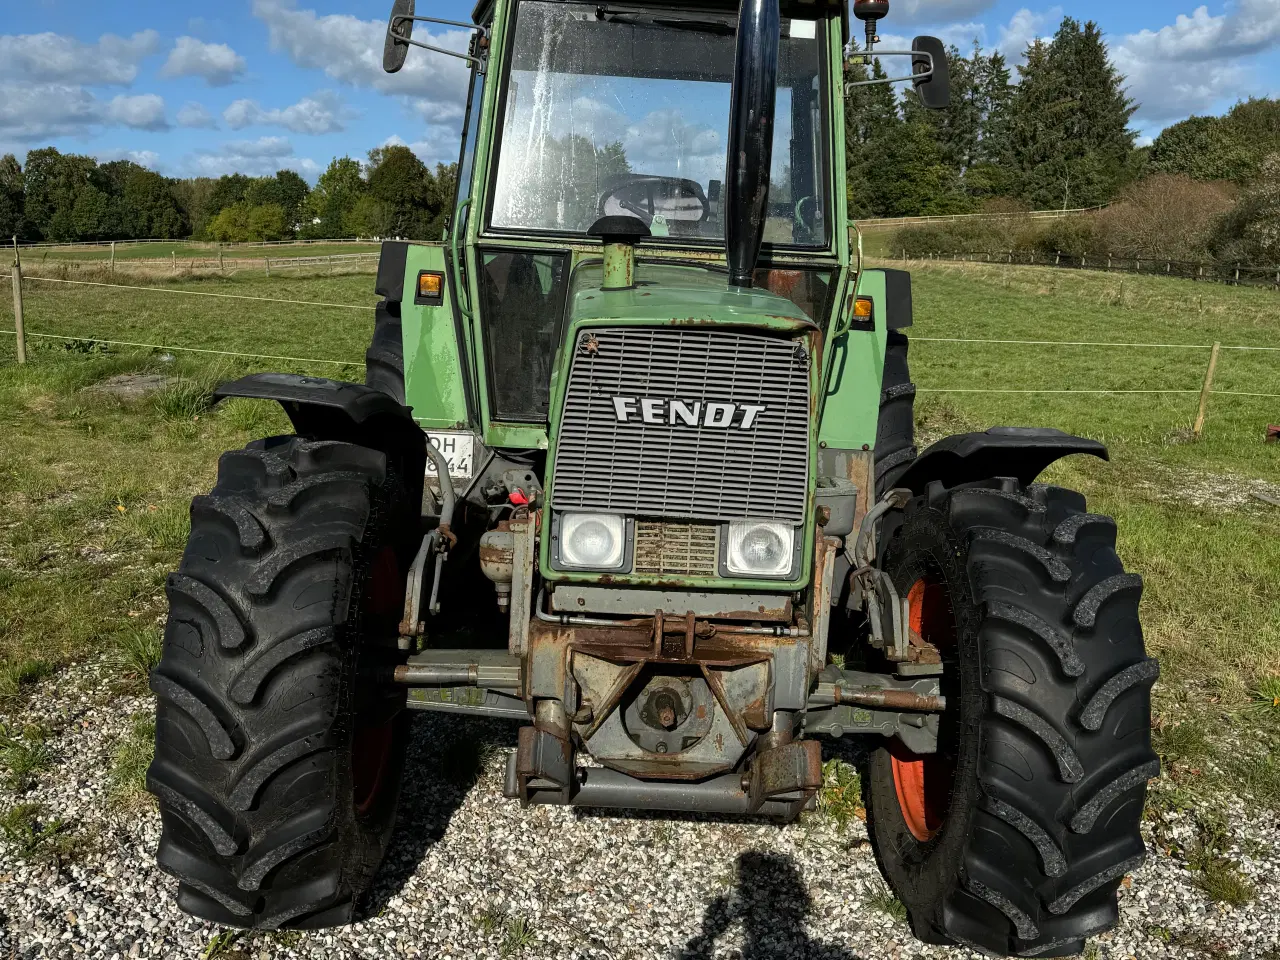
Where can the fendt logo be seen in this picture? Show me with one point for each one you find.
(677, 413)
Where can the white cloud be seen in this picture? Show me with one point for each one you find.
(51, 58)
(32, 112)
(323, 112)
(143, 158)
(1199, 61)
(1023, 29)
(195, 116)
(350, 50)
(217, 63)
(143, 112)
(258, 158)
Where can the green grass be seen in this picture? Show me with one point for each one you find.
(518, 937)
(95, 492)
(37, 837)
(22, 755)
(1208, 552)
(136, 652)
(132, 758)
(840, 796)
(1218, 877)
(881, 898)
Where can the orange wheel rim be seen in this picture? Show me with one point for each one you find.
(923, 783)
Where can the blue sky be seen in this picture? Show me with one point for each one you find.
(255, 85)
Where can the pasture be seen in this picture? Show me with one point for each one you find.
(94, 488)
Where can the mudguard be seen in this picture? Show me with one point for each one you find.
(1019, 452)
(337, 410)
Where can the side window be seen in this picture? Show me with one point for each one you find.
(522, 302)
(467, 161)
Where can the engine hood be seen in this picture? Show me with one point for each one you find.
(676, 294)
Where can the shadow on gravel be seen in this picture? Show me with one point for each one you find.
(446, 756)
(771, 902)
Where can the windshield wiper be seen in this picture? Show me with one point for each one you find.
(696, 26)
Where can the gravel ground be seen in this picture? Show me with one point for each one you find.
(470, 874)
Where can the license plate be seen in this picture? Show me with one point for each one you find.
(458, 449)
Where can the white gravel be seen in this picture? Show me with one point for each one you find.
(468, 865)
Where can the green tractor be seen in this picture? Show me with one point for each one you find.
(634, 466)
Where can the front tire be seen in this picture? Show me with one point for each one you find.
(279, 747)
(1015, 836)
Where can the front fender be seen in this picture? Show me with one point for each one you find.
(336, 410)
(1019, 452)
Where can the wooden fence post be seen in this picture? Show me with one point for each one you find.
(173, 259)
(1237, 274)
(113, 257)
(1057, 261)
(1206, 390)
(18, 326)
(268, 260)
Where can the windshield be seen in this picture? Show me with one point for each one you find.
(623, 110)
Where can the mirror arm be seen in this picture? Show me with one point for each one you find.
(426, 46)
(915, 77)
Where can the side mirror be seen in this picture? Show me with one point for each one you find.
(932, 75)
(399, 32)
(400, 38)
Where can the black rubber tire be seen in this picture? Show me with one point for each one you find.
(896, 428)
(384, 360)
(1048, 723)
(281, 611)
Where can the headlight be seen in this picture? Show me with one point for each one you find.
(760, 548)
(592, 541)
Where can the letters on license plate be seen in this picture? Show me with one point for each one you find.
(457, 449)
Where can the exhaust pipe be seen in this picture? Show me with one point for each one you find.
(751, 107)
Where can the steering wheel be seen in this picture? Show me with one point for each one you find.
(645, 196)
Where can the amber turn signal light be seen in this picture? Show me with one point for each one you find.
(864, 309)
(430, 289)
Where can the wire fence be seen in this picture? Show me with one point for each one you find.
(977, 217)
(1233, 274)
(1205, 390)
(199, 244)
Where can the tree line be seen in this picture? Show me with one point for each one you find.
(62, 197)
(1059, 138)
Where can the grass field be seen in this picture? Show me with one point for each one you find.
(33, 256)
(94, 491)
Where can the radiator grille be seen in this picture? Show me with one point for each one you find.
(691, 472)
(683, 549)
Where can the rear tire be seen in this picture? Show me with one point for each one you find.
(384, 360)
(278, 754)
(896, 429)
(1014, 837)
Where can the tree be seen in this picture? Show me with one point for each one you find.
(1250, 233)
(53, 182)
(1221, 148)
(267, 222)
(12, 195)
(227, 191)
(150, 209)
(910, 176)
(335, 193)
(1069, 136)
(957, 129)
(403, 185)
(286, 190)
(871, 114)
(368, 218)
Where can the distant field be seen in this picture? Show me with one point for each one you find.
(94, 492)
(180, 249)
